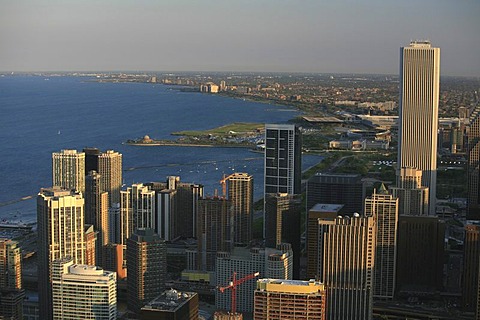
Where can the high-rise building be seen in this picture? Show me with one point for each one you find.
(268, 262)
(318, 211)
(473, 166)
(383, 207)
(471, 262)
(282, 224)
(124, 221)
(184, 206)
(96, 210)
(420, 253)
(418, 112)
(68, 170)
(338, 188)
(109, 165)
(83, 291)
(113, 259)
(60, 219)
(10, 264)
(240, 193)
(11, 292)
(91, 159)
(214, 231)
(110, 170)
(91, 250)
(412, 197)
(172, 305)
(283, 158)
(347, 251)
(289, 299)
(11, 303)
(137, 208)
(165, 214)
(147, 268)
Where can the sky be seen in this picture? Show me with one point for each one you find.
(324, 36)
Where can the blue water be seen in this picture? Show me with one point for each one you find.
(40, 116)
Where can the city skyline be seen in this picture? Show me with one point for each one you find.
(327, 37)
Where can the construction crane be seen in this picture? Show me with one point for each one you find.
(233, 286)
(223, 182)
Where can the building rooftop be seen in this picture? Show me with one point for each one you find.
(326, 207)
(169, 301)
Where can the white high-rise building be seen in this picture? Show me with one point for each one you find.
(68, 170)
(83, 292)
(60, 218)
(418, 118)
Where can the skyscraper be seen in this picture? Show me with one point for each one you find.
(138, 207)
(60, 219)
(147, 268)
(269, 262)
(412, 197)
(383, 207)
(165, 214)
(110, 169)
(319, 211)
(10, 264)
(420, 253)
(11, 292)
(283, 158)
(347, 251)
(96, 210)
(338, 188)
(240, 193)
(214, 231)
(473, 167)
(282, 224)
(418, 118)
(185, 204)
(289, 299)
(83, 292)
(68, 170)
(471, 262)
(109, 165)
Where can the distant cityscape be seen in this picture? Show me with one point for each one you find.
(386, 226)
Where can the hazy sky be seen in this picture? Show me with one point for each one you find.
(344, 36)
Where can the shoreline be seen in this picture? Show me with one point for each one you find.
(179, 144)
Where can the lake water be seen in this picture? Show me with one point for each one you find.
(43, 115)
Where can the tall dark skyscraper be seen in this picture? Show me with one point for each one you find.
(471, 263)
(214, 231)
(420, 253)
(283, 158)
(147, 268)
(418, 118)
(283, 161)
(96, 211)
(473, 168)
(282, 218)
(328, 188)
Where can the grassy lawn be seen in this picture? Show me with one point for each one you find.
(237, 127)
